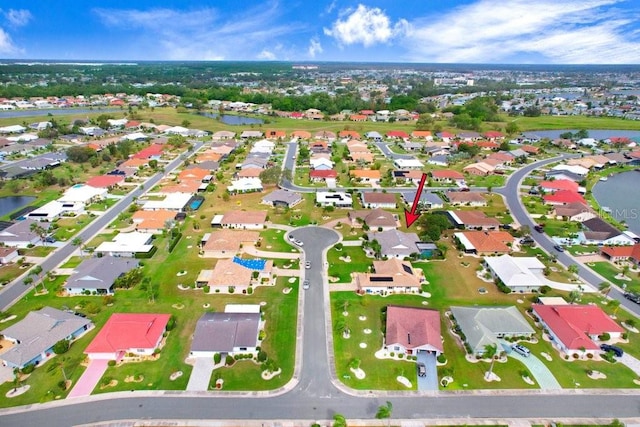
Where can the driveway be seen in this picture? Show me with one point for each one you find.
(538, 370)
(201, 374)
(430, 381)
(89, 378)
(630, 362)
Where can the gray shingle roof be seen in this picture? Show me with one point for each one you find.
(38, 332)
(99, 273)
(222, 332)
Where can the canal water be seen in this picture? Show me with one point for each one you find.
(13, 203)
(621, 194)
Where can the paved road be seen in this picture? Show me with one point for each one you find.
(384, 147)
(514, 203)
(15, 290)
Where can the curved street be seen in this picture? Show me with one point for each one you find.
(315, 394)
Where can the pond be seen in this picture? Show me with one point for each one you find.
(230, 119)
(620, 194)
(13, 203)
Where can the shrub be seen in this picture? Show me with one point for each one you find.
(28, 368)
(589, 355)
(442, 358)
(249, 290)
(206, 289)
(604, 336)
(262, 334)
(232, 289)
(61, 347)
(229, 361)
(262, 356)
(111, 363)
(217, 358)
(392, 354)
(171, 323)
(62, 385)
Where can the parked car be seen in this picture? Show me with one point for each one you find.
(422, 370)
(612, 348)
(306, 285)
(521, 350)
(539, 228)
(632, 297)
(307, 265)
(558, 248)
(298, 242)
(527, 240)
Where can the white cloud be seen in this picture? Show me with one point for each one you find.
(6, 44)
(571, 31)
(314, 47)
(331, 6)
(203, 34)
(266, 55)
(366, 26)
(18, 17)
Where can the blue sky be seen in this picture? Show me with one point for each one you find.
(468, 31)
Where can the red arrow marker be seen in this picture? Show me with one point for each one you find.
(411, 216)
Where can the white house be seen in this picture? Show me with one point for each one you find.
(337, 199)
(127, 244)
(411, 163)
(520, 274)
(245, 185)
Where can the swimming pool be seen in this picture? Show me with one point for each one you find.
(195, 204)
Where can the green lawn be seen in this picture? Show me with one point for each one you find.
(341, 269)
(68, 227)
(9, 272)
(273, 240)
(486, 181)
(37, 251)
(609, 272)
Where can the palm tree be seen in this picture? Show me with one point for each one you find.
(385, 411)
(615, 305)
(39, 230)
(605, 288)
(574, 296)
(77, 241)
(490, 352)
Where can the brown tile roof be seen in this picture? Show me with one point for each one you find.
(489, 241)
(413, 327)
(465, 197)
(230, 240)
(371, 197)
(365, 173)
(244, 217)
(152, 220)
(478, 218)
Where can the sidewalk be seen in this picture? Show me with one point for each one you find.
(251, 250)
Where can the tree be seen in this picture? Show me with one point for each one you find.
(512, 128)
(77, 241)
(61, 347)
(339, 420)
(573, 269)
(574, 296)
(271, 175)
(615, 305)
(384, 411)
(490, 352)
(39, 230)
(605, 288)
(27, 280)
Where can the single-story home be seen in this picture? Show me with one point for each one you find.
(127, 244)
(485, 242)
(226, 333)
(574, 328)
(226, 243)
(96, 276)
(34, 336)
(629, 253)
(520, 274)
(154, 222)
(134, 334)
(395, 243)
(389, 277)
(411, 163)
(173, 202)
(447, 175)
(486, 326)
(412, 330)
(8, 254)
(376, 219)
(20, 235)
(242, 220)
(282, 198)
(428, 200)
(374, 200)
(237, 273)
(473, 220)
(338, 199)
(466, 198)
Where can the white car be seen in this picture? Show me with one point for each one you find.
(305, 284)
(307, 265)
(298, 242)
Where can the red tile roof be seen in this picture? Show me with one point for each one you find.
(323, 174)
(573, 324)
(564, 197)
(560, 184)
(493, 134)
(104, 181)
(632, 252)
(397, 134)
(124, 331)
(447, 174)
(150, 151)
(413, 327)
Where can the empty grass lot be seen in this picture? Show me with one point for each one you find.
(341, 269)
(609, 272)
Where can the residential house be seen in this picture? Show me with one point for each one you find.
(575, 328)
(390, 276)
(236, 273)
(323, 175)
(366, 176)
(630, 253)
(301, 134)
(411, 163)
(395, 243)
(20, 234)
(320, 163)
(245, 185)
(413, 176)
(376, 219)
(33, 337)
(563, 197)
(519, 274)
(428, 200)
(373, 200)
(473, 220)
(242, 220)
(447, 175)
(466, 198)
(127, 245)
(96, 276)
(479, 169)
(439, 160)
(597, 231)
(422, 134)
(176, 202)
(337, 199)
(559, 185)
(413, 330)
(128, 335)
(573, 212)
(226, 333)
(282, 198)
(154, 222)
(485, 242)
(227, 243)
(223, 135)
(8, 254)
(250, 134)
(105, 181)
(489, 326)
